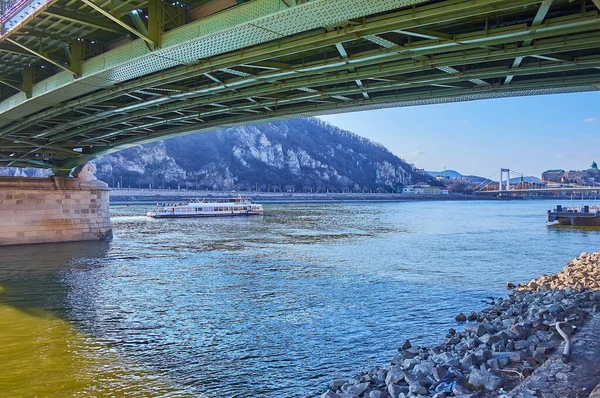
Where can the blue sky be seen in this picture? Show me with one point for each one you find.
(527, 134)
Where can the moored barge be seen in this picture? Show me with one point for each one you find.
(588, 216)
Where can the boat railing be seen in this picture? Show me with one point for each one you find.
(578, 209)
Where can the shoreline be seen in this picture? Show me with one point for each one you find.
(141, 196)
(510, 349)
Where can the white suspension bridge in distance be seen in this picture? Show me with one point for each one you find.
(505, 187)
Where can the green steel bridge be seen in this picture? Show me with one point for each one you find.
(83, 78)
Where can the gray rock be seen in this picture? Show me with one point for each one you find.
(453, 363)
(519, 331)
(493, 363)
(397, 359)
(483, 355)
(336, 384)
(468, 361)
(395, 391)
(357, 389)
(461, 317)
(419, 390)
(375, 394)
(438, 373)
(545, 348)
(409, 364)
(380, 377)
(411, 352)
(472, 343)
(517, 356)
(460, 390)
(329, 394)
(413, 380)
(394, 375)
(406, 345)
(483, 377)
(522, 344)
(498, 346)
(502, 357)
(476, 328)
(424, 368)
(488, 326)
(455, 339)
(441, 358)
(527, 371)
(489, 339)
(473, 317)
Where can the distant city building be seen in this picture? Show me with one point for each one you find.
(554, 175)
(423, 189)
(590, 176)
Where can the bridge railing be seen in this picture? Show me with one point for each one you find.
(14, 11)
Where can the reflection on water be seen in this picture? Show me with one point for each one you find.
(265, 306)
(41, 352)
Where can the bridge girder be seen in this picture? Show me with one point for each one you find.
(306, 60)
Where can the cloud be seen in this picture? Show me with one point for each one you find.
(419, 152)
(465, 122)
(590, 119)
(567, 155)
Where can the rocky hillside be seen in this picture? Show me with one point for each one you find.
(297, 155)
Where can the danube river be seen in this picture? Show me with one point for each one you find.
(266, 306)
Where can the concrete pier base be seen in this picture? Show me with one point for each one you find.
(55, 209)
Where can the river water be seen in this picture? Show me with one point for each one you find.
(264, 306)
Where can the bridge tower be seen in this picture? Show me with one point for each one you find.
(501, 185)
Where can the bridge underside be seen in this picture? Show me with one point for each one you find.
(79, 79)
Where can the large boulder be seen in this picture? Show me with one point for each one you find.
(486, 379)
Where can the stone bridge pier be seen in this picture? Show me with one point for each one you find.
(54, 209)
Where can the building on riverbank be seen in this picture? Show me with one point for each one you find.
(589, 176)
(424, 189)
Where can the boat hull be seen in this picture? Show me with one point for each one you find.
(167, 215)
(574, 219)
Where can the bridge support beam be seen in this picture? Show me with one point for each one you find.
(55, 209)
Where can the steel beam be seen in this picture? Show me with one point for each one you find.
(28, 77)
(8, 84)
(429, 97)
(413, 83)
(412, 18)
(39, 55)
(426, 34)
(379, 70)
(76, 56)
(116, 20)
(84, 20)
(537, 20)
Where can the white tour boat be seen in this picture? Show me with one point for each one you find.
(207, 208)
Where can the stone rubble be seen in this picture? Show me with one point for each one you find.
(502, 344)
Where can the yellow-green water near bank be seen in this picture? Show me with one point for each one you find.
(44, 355)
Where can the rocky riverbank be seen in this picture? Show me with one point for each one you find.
(497, 348)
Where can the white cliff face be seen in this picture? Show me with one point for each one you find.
(24, 172)
(306, 160)
(388, 174)
(292, 162)
(303, 154)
